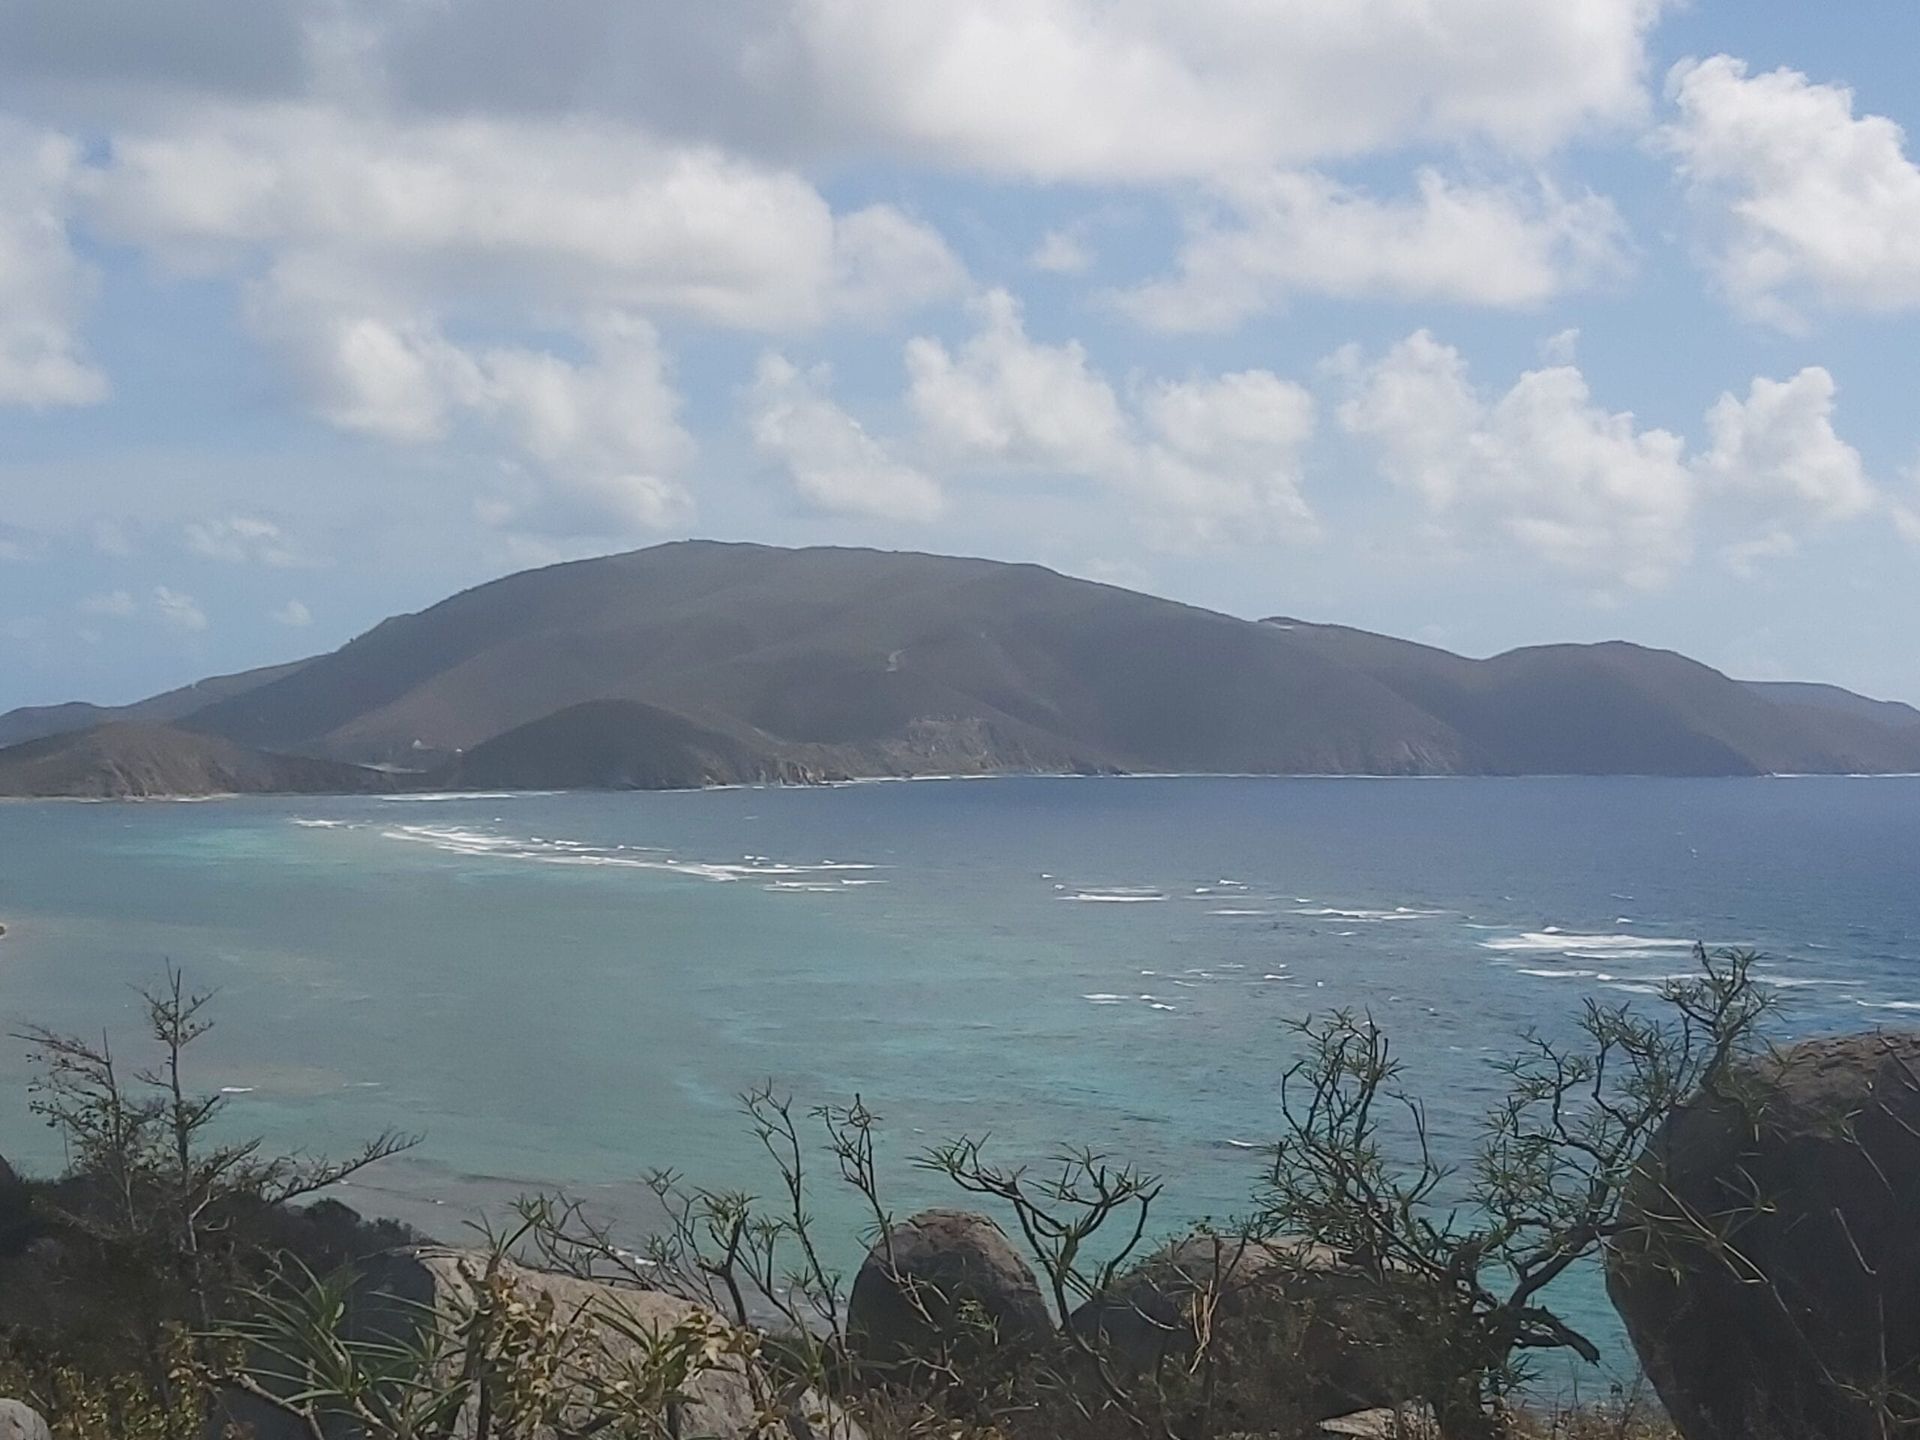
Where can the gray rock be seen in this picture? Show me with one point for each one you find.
(1772, 1257)
(944, 1283)
(1405, 1422)
(722, 1402)
(1290, 1320)
(21, 1422)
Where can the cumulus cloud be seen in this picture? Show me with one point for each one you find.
(1224, 461)
(242, 540)
(1056, 89)
(1807, 204)
(1565, 480)
(366, 240)
(1202, 461)
(181, 612)
(1294, 233)
(1009, 400)
(833, 462)
(1778, 446)
(293, 614)
(1588, 490)
(1061, 252)
(1088, 91)
(43, 284)
(591, 446)
(561, 216)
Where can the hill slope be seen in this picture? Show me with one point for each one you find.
(695, 661)
(135, 761)
(619, 745)
(33, 721)
(874, 663)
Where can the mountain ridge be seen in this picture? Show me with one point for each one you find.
(698, 661)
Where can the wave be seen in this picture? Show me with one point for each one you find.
(437, 795)
(457, 840)
(306, 824)
(1113, 897)
(1558, 974)
(1239, 912)
(1399, 912)
(1571, 944)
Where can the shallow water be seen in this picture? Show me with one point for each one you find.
(572, 989)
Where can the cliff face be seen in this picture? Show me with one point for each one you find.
(135, 761)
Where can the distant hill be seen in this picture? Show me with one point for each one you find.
(698, 662)
(619, 745)
(122, 761)
(1615, 708)
(1832, 699)
(33, 721)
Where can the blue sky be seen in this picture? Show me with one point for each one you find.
(1479, 321)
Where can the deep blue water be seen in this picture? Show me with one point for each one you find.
(571, 990)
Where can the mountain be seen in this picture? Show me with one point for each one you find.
(698, 662)
(619, 745)
(1833, 699)
(129, 761)
(33, 721)
(1615, 708)
(854, 661)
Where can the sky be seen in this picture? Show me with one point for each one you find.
(1483, 322)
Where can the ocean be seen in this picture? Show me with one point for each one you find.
(569, 991)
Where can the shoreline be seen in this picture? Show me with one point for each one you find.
(432, 796)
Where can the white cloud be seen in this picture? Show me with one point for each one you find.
(43, 284)
(1053, 89)
(1745, 557)
(591, 447)
(367, 241)
(886, 262)
(241, 540)
(182, 612)
(1225, 463)
(1061, 252)
(1094, 90)
(534, 216)
(1204, 461)
(1008, 400)
(1564, 480)
(1905, 509)
(833, 462)
(293, 614)
(117, 604)
(1808, 204)
(1778, 448)
(1297, 233)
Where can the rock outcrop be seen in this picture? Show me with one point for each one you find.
(729, 1399)
(1770, 1271)
(1291, 1319)
(19, 1421)
(945, 1282)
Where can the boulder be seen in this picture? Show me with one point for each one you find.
(1291, 1322)
(1769, 1271)
(21, 1422)
(16, 1211)
(721, 1402)
(944, 1284)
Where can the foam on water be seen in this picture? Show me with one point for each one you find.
(1550, 939)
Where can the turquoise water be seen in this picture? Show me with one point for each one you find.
(571, 990)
